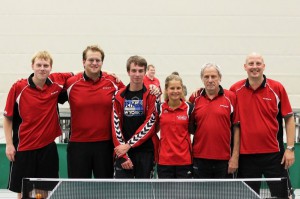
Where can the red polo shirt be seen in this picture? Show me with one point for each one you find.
(147, 81)
(258, 112)
(175, 144)
(91, 107)
(213, 118)
(34, 111)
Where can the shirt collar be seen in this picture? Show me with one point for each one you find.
(182, 105)
(86, 78)
(263, 84)
(127, 90)
(32, 84)
(150, 78)
(221, 91)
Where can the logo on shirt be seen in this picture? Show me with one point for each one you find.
(166, 111)
(182, 117)
(133, 108)
(224, 106)
(267, 99)
(53, 93)
(106, 87)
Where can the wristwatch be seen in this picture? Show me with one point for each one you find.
(291, 148)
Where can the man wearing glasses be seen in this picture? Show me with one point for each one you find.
(90, 150)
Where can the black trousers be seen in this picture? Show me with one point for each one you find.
(87, 159)
(207, 168)
(267, 165)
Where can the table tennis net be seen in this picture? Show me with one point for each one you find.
(154, 188)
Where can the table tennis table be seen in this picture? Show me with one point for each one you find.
(151, 189)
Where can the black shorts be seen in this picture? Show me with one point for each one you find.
(171, 171)
(267, 165)
(87, 159)
(38, 163)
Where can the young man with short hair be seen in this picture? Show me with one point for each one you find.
(133, 121)
(31, 123)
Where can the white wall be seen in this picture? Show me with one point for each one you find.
(171, 34)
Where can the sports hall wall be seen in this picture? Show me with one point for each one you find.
(174, 35)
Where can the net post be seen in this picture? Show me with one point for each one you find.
(25, 188)
(286, 181)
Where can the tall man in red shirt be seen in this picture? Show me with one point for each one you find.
(90, 150)
(263, 104)
(31, 123)
(214, 115)
(133, 122)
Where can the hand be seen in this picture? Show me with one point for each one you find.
(196, 93)
(127, 164)
(154, 90)
(122, 149)
(288, 158)
(233, 164)
(10, 152)
(114, 75)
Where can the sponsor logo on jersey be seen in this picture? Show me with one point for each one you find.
(181, 117)
(53, 93)
(106, 87)
(224, 106)
(267, 99)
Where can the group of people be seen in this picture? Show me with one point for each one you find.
(114, 128)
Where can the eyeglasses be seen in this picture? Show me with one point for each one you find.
(91, 60)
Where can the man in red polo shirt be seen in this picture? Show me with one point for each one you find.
(150, 78)
(214, 115)
(31, 123)
(90, 150)
(263, 104)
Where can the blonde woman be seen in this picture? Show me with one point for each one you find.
(175, 155)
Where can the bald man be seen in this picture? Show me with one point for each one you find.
(263, 105)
